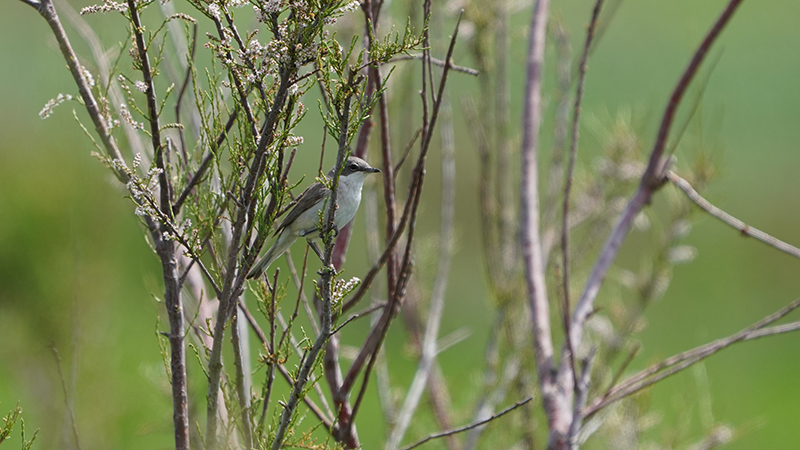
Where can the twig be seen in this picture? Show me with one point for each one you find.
(359, 315)
(429, 341)
(407, 150)
(48, 11)
(677, 363)
(206, 162)
(67, 402)
(438, 62)
(744, 229)
(378, 332)
(234, 279)
(573, 151)
(470, 426)
(581, 394)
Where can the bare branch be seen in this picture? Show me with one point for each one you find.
(573, 152)
(70, 407)
(744, 229)
(470, 426)
(440, 63)
(359, 315)
(675, 364)
(556, 405)
(652, 180)
(429, 342)
(165, 247)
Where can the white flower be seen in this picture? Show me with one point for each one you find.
(88, 76)
(273, 6)
(126, 115)
(294, 141)
(352, 6)
(104, 8)
(140, 86)
(50, 105)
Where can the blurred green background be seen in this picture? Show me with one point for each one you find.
(75, 270)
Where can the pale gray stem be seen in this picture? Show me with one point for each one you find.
(728, 219)
(556, 400)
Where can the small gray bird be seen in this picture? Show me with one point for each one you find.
(303, 219)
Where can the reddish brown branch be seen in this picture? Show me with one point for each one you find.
(652, 179)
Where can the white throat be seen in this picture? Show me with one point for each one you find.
(348, 197)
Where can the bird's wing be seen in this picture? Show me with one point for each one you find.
(310, 196)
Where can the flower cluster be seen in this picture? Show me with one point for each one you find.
(342, 288)
(88, 76)
(50, 105)
(107, 6)
(213, 9)
(126, 115)
(294, 141)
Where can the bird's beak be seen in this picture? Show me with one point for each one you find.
(374, 170)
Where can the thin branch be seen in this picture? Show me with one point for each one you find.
(573, 152)
(206, 162)
(652, 180)
(439, 63)
(234, 279)
(359, 315)
(470, 426)
(429, 342)
(744, 229)
(48, 11)
(70, 407)
(653, 173)
(378, 332)
(327, 272)
(677, 363)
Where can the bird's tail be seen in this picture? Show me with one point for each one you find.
(282, 243)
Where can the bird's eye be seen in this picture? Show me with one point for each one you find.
(353, 166)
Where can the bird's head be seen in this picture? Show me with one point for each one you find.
(358, 167)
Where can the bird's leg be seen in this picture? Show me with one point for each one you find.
(314, 247)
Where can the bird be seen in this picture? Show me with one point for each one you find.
(303, 219)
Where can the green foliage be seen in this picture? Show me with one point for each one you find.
(9, 421)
